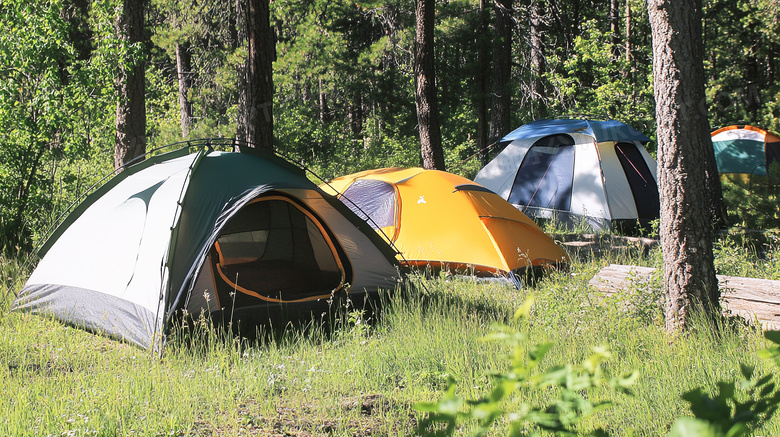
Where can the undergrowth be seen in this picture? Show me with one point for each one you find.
(363, 375)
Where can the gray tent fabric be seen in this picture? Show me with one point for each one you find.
(134, 253)
(573, 172)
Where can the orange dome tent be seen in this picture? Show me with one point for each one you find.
(440, 220)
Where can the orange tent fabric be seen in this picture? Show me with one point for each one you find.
(438, 219)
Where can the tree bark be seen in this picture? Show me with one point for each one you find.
(538, 95)
(628, 33)
(240, 34)
(614, 25)
(356, 115)
(683, 138)
(425, 87)
(261, 53)
(130, 139)
(184, 68)
(482, 74)
(502, 61)
(322, 103)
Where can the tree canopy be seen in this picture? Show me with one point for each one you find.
(344, 96)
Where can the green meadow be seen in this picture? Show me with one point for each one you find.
(363, 375)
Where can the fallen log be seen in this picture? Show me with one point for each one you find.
(756, 300)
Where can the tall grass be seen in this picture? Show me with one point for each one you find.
(359, 377)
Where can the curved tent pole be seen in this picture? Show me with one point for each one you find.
(108, 176)
(166, 262)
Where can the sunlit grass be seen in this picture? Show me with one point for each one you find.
(359, 377)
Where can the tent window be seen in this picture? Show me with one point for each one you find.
(643, 185)
(275, 250)
(544, 178)
(376, 200)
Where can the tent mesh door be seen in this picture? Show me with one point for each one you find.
(275, 250)
(544, 178)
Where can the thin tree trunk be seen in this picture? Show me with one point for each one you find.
(425, 87)
(130, 139)
(482, 73)
(322, 101)
(356, 115)
(241, 26)
(628, 39)
(538, 95)
(502, 61)
(184, 67)
(683, 138)
(260, 85)
(614, 24)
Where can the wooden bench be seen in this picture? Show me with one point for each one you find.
(756, 300)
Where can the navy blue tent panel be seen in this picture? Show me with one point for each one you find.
(544, 178)
(643, 185)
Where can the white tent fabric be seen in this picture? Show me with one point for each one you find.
(598, 188)
(129, 257)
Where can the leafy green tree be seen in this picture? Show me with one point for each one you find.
(741, 42)
(50, 94)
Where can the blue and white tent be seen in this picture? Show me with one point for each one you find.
(576, 170)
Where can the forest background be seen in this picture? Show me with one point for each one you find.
(344, 84)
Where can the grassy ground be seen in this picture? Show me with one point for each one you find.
(363, 377)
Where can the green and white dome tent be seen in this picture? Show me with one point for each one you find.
(243, 236)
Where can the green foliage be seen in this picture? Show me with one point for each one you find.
(750, 255)
(49, 98)
(739, 38)
(595, 85)
(562, 416)
(754, 204)
(737, 409)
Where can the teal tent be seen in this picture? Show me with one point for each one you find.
(745, 150)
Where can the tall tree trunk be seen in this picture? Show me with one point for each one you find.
(130, 139)
(425, 87)
(322, 103)
(356, 115)
(184, 68)
(614, 26)
(752, 79)
(683, 138)
(627, 73)
(538, 95)
(240, 35)
(502, 61)
(482, 74)
(261, 53)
